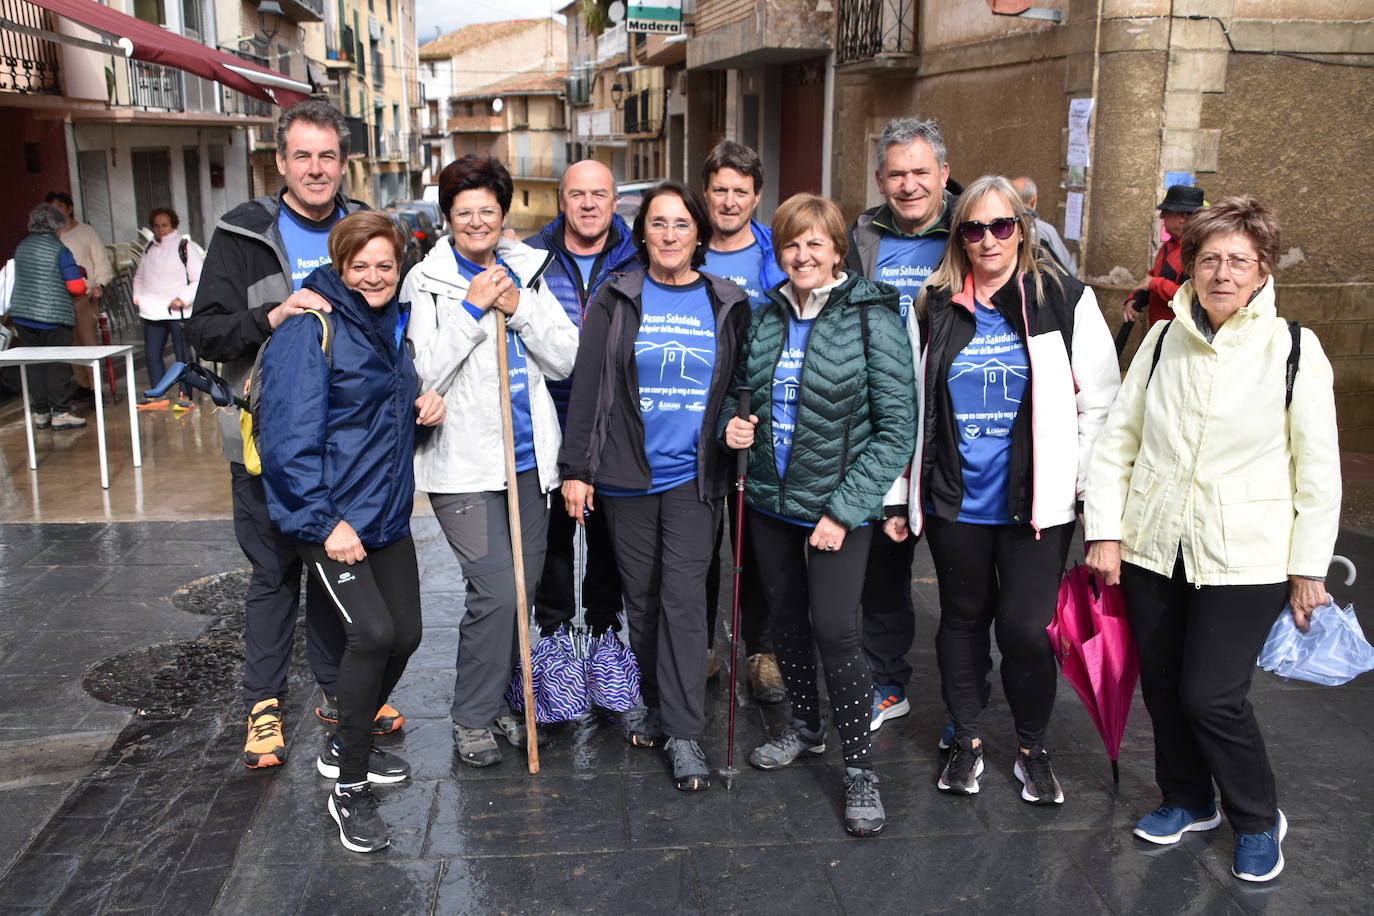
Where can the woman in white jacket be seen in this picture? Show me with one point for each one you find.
(164, 286)
(1214, 500)
(461, 466)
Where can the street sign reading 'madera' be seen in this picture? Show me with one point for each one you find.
(661, 17)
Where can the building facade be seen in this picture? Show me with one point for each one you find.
(1241, 96)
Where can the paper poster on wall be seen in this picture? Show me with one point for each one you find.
(1073, 215)
(1080, 113)
(661, 17)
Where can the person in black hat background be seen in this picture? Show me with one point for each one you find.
(1156, 291)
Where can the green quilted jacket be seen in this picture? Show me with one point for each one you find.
(856, 418)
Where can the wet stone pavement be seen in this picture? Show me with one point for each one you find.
(106, 811)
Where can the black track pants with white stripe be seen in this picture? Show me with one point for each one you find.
(378, 601)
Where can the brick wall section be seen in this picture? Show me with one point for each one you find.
(712, 14)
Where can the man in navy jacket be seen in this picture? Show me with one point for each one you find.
(590, 244)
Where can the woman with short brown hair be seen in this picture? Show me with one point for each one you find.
(1214, 496)
(335, 424)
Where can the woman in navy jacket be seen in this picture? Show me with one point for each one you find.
(335, 426)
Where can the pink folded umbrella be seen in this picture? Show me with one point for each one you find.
(1096, 653)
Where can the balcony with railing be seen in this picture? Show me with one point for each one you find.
(27, 64)
(303, 10)
(359, 137)
(643, 112)
(477, 124)
(874, 34)
(152, 86)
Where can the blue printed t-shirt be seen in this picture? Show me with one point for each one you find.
(744, 268)
(585, 264)
(986, 384)
(907, 263)
(787, 391)
(675, 356)
(517, 369)
(306, 241)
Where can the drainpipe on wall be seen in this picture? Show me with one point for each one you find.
(1084, 245)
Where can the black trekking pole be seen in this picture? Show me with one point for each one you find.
(745, 394)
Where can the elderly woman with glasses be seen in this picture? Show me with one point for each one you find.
(1019, 372)
(657, 355)
(454, 294)
(1214, 497)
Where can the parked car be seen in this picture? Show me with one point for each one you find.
(628, 197)
(414, 252)
(428, 207)
(418, 225)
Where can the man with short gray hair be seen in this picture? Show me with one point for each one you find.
(899, 242)
(260, 254)
(1046, 236)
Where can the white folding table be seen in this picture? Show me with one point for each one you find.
(84, 356)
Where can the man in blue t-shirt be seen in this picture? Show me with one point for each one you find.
(244, 294)
(741, 250)
(899, 242)
(590, 244)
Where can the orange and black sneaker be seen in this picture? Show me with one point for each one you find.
(266, 747)
(387, 720)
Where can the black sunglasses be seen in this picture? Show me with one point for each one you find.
(1001, 228)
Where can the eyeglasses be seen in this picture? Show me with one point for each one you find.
(680, 226)
(1001, 228)
(1210, 263)
(485, 215)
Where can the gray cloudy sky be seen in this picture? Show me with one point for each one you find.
(447, 15)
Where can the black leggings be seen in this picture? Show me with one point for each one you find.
(1197, 655)
(813, 602)
(378, 601)
(1000, 574)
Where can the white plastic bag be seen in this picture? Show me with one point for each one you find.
(1332, 652)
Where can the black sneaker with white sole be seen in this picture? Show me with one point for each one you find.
(960, 776)
(381, 766)
(361, 828)
(1039, 786)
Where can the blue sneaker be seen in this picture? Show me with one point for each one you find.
(1259, 856)
(946, 734)
(889, 702)
(1166, 825)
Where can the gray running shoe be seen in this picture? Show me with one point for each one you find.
(1039, 786)
(643, 727)
(863, 807)
(65, 419)
(962, 771)
(476, 746)
(794, 741)
(688, 760)
(512, 728)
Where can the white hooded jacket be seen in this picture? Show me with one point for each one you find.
(1204, 458)
(456, 356)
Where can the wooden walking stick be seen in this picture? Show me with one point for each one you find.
(516, 544)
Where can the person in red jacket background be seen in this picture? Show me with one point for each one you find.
(1156, 291)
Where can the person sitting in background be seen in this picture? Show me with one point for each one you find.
(164, 287)
(46, 277)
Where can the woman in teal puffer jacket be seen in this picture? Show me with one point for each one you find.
(834, 422)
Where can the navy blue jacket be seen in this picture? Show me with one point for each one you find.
(337, 440)
(565, 281)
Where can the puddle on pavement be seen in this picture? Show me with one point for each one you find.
(167, 680)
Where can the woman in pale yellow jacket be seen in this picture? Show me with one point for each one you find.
(1214, 500)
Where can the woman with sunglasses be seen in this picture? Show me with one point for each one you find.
(1020, 370)
(657, 355)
